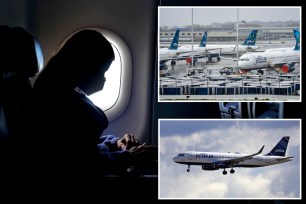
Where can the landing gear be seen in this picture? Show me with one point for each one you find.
(232, 171)
(224, 172)
(260, 71)
(188, 169)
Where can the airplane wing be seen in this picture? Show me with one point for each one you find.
(196, 55)
(241, 159)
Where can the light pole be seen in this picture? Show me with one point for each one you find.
(237, 34)
(191, 37)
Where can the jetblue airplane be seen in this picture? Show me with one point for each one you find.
(197, 51)
(218, 160)
(204, 50)
(281, 60)
(186, 50)
(296, 33)
(166, 54)
(249, 45)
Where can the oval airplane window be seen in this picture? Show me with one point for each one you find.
(114, 97)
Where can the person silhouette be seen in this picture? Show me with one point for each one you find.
(68, 142)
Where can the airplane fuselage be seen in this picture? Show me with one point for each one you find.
(166, 53)
(215, 160)
(232, 49)
(268, 59)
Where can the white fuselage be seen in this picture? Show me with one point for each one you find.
(222, 49)
(232, 49)
(186, 50)
(267, 59)
(165, 53)
(207, 158)
(285, 49)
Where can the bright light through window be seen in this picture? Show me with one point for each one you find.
(106, 98)
(115, 96)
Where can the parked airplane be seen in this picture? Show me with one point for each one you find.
(197, 51)
(166, 54)
(296, 47)
(218, 160)
(247, 46)
(281, 59)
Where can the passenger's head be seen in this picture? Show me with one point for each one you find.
(19, 54)
(82, 61)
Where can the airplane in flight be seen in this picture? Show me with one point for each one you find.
(218, 160)
(249, 45)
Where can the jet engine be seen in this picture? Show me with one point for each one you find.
(287, 68)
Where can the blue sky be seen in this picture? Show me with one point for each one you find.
(245, 136)
(181, 16)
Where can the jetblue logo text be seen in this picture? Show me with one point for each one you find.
(202, 155)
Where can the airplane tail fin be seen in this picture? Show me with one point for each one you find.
(204, 39)
(175, 40)
(251, 39)
(296, 33)
(280, 148)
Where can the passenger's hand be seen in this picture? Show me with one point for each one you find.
(137, 149)
(127, 142)
(143, 154)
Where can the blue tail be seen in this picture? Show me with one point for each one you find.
(280, 148)
(251, 39)
(296, 33)
(175, 40)
(204, 39)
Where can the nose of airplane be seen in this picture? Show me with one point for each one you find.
(174, 159)
(242, 64)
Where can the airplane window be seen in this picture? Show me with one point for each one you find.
(108, 96)
(39, 54)
(114, 97)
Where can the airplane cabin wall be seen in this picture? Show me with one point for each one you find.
(135, 21)
(13, 12)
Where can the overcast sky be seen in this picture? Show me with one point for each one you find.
(181, 16)
(245, 136)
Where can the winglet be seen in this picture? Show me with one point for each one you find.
(260, 150)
